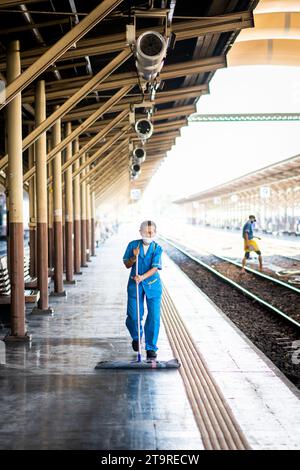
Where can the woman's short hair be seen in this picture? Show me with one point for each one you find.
(146, 224)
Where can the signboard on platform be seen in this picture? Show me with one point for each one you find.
(2, 352)
(217, 200)
(135, 194)
(2, 92)
(265, 192)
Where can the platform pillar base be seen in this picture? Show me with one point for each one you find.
(58, 294)
(27, 338)
(70, 283)
(42, 311)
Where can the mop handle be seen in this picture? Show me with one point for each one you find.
(138, 309)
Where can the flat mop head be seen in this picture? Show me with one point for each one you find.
(172, 364)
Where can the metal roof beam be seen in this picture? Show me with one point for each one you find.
(109, 157)
(71, 102)
(99, 136)
(65, 88)
(115, 42)
(160, 98)
(58, 49)
(98, 153)
(12, 3)
(82, 127)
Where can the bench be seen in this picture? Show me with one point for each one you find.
(31, 295)
(32, 282)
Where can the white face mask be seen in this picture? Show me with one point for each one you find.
(147, 240)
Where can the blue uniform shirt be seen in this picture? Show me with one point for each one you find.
(248, 228)
(152, 259)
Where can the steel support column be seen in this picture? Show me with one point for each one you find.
(32, 219)
(88, 220)
(57, 212)
(77, 229)
(41, 201)
(83, 220)
(63, 227)
(93, 215)
(50, 217)
(15, 175)
(69, 213)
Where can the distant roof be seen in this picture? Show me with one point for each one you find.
(283, 172)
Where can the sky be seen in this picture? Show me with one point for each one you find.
(208, 154)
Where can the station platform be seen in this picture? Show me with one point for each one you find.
(53, 398)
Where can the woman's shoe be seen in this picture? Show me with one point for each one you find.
(151, 354)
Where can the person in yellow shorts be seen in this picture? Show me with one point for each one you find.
(249, 243)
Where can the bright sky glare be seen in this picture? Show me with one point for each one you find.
(208, 154)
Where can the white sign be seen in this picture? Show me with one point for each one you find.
(2, 92)
(234, 198)
(2, 352)
(217, 200)
(265, 192)
(135, 194)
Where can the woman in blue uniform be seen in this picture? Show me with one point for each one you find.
(148, 279)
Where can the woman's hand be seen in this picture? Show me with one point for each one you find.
(139, 278)
(136, 251)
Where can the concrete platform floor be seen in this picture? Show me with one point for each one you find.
(51, 396)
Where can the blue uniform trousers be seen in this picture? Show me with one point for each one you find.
(152, 321)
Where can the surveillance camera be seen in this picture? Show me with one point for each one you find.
(144, 128)
(150, 51)
(135, 169)
(139, 154)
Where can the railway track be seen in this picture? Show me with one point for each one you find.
(287, 294)
(273, 276)
(291, 258)
(269, 327)
(286, 267)
(284, 261)
(281, 267)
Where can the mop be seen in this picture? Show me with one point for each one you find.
(139, 363)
